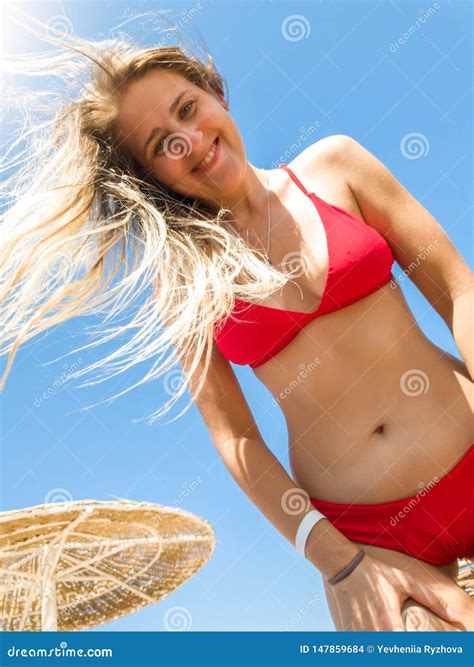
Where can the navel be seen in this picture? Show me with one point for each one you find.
(380, 429)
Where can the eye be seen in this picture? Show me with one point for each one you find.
(159, 144)
(186, 106)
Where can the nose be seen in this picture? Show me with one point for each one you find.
(196, 139)
(189, 144)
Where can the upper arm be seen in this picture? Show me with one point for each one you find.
(222, 403)
(419, 244)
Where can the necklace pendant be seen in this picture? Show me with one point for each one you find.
(269, 260)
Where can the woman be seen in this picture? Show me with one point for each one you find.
(147, 160)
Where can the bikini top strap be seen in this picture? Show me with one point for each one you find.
(295, 178)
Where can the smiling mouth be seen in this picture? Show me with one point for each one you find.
(210, 159)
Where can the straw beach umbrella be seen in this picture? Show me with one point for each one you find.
(74, 565)
(465, 577)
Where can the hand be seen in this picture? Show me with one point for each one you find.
(372, 596)
(418, 618)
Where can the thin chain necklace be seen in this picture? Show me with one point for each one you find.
(269, 233)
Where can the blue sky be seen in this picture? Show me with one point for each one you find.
(377, 71)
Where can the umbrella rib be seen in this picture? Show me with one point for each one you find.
(33, 589)
(87, 563)
(35, 539)
(28, 557)
(20, 575)
(67, 530)
(119, 582)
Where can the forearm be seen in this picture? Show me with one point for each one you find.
(267, 484)
(462, 327)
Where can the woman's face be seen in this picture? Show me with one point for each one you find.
(170, 125)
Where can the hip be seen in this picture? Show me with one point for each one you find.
(435, 524)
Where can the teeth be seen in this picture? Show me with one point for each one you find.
(208, 157)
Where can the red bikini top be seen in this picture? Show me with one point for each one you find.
(360, 262)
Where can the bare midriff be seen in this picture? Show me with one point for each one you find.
(374, 409)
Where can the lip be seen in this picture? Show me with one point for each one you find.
(214, 159)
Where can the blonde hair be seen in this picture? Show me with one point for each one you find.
(81, 210)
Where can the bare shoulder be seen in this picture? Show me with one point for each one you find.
(330, 162)
(336, 152)
(342, 165)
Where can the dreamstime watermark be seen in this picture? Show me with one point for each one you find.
(413, 501)
(186, 490)
(187, 16)
(295, 501)
(424, 16)
(58, 495)
(177, 619)
(62, 264)
(304, 135)
(172, 381)
(176, 146)
(58, 382)
(414, 382)
(306, 369)
(421, 256)
(302, 612)
(61, 651)
(295, 263)
(415, 618)
(59, 26)
(414, 146)
(295, 27)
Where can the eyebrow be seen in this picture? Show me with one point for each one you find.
(157, 129)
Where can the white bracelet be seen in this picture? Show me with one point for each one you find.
(306, 526)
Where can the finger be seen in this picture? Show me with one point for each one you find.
(419, 617)
(431, 600)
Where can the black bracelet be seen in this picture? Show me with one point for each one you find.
(345, 572)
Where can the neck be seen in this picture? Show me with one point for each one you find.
(248, 201)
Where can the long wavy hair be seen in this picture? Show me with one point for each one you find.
(86, 231)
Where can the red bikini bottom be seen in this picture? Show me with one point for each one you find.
(435, 525)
